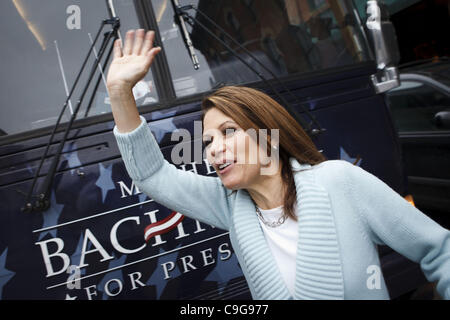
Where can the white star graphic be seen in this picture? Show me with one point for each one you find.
(158, 275)
(51, 216)
(117, 274)
(105, 181)
(224, 271)
(161, 127)
(345, 156)
(5, 274)
(72, 157)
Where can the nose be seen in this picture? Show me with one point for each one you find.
(217, 146)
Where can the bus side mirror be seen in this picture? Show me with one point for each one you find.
(390, 36)
(381, 33)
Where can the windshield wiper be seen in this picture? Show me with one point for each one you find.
(181, 12)
(43, 196)
(185, 33)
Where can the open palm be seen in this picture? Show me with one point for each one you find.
(132, 62)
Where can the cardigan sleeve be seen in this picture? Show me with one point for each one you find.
(393, 221)
(196, 196)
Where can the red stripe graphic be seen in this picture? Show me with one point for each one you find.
(163, 226)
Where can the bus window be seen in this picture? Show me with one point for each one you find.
(287, 36)
(44, 44)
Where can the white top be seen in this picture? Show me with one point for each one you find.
(282, 241)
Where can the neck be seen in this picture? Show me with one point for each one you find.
(268, 191)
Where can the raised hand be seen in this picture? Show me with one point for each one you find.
(132, 62)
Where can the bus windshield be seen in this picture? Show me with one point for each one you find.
(287, 36)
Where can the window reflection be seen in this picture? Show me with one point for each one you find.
(288, 37)
(43, 46)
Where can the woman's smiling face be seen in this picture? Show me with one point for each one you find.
(226, 142)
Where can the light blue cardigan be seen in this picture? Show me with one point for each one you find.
(343, 212)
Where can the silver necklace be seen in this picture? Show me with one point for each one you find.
(274, 224)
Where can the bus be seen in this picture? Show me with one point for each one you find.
(72, 222)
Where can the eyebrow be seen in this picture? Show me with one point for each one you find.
(207, 135)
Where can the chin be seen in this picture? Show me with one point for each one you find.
(232, 185)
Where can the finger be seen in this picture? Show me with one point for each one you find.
(117, 49)
(129, 38)
(148, 42)
(151, 56)
(138, 40)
